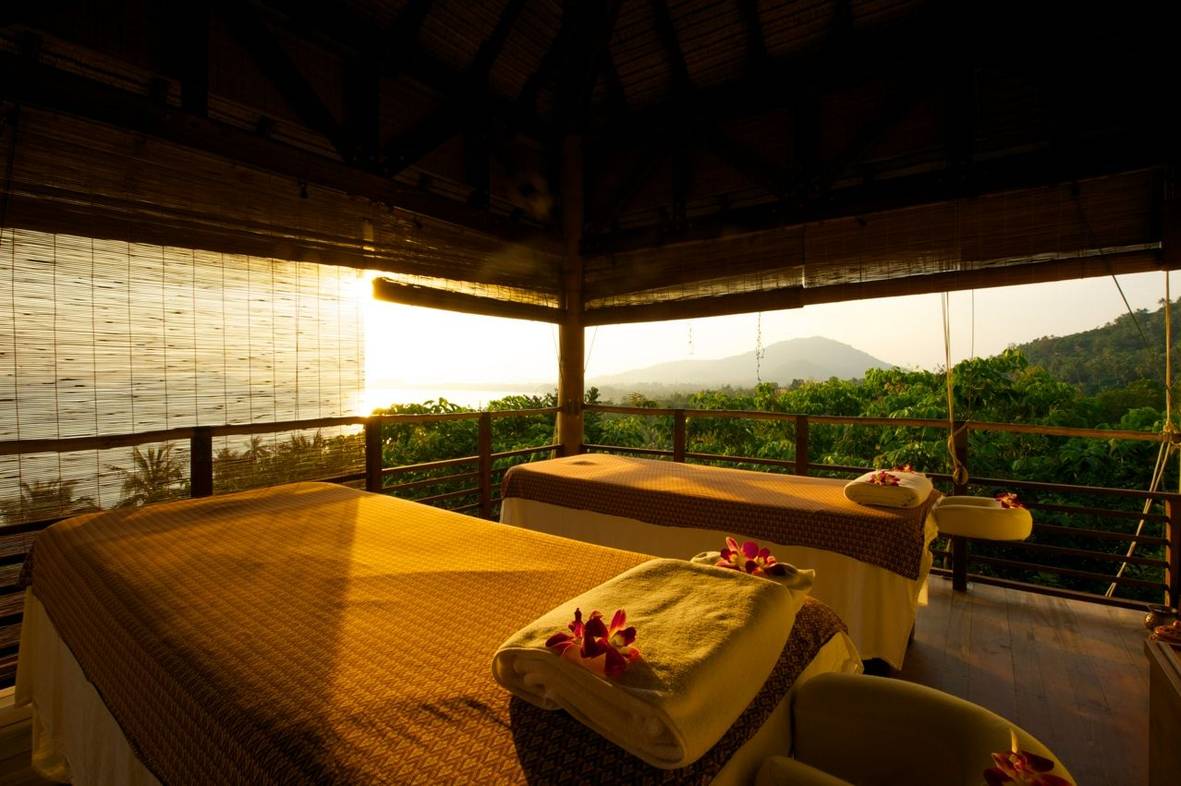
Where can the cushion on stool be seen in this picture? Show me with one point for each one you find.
(982, 518)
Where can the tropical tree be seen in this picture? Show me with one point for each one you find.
(157, 476)
(45, 499)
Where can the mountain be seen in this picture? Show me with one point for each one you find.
(1114, 355)
(783, 362)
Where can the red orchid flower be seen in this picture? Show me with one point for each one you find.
(883, 478)
(1008, 500)
(593, 644)
(750, 558)
(1022, 768)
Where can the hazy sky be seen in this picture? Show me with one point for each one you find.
(408, 345)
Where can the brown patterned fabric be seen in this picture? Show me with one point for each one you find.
(315, 634)
(787, 509)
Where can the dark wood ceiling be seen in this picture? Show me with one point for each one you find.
(699, 117)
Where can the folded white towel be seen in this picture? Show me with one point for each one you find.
(709, 638)
(912, 490)
(795, 578)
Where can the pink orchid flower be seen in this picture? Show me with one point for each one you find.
(750, 558)
(1008, 500)
(883, 478)
(593, 644)
(1022, 768)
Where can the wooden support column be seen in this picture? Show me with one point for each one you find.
(571, 332)
(373, 459)
(802, 460)
(201, 462)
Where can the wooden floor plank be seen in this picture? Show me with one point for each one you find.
(1073, 674)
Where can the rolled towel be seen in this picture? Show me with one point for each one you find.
(879, 488)
(709, 638)
(795, 578)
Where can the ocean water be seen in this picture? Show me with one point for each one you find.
(383, 396)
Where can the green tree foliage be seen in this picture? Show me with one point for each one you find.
(42, 500)
(156, 475)
(1006, 388)
(1121, 353)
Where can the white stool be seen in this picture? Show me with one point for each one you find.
(979, 518)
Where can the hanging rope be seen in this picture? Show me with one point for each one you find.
(760, 350)
(1167, 448)
(959, 473)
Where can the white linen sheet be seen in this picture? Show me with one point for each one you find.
(77, 740)
(878, 605)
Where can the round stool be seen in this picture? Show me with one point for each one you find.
(978, 518)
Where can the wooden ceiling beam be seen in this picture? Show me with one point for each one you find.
(756, 45)
(470, 98)
(392, 291)
(673, 55)
(46, 87)
(260, 43)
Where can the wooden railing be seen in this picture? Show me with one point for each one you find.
(480, 472)
(479, 468)
(802, 464)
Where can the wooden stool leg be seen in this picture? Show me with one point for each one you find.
(959, 563)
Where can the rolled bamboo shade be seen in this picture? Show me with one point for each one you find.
(1102, 216)
(78, 177)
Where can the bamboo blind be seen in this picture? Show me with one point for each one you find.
(1098, 217)
(70, 175)
(108, 337)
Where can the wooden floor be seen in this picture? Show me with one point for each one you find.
(1073, 674)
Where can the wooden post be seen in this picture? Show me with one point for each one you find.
(959, 545)
(201, 462)
(1172, 555)
(373, 459)
(679, 435)
(485, 452)
(802, 445)
(571, 333)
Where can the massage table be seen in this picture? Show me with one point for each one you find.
(312, 633)
(871, 563)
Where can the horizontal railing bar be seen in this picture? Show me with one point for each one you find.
(741, 459)
(416, 484)
(426, 466)
(461, 508)
(1042, 589)
(67, 444)
(7, 530)
(861, 420)
(1079, 574)
(285, 425)
(344, 478)
(1068, 431)
(525, 451)
(1087, 511)
(448, 495)
(621, 449)
(839, 468)
(1034, 485)
(1050, 548)
(521, 413)
(1102, 534)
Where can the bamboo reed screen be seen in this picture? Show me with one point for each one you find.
(107, 337)
(70, 175)
(1111, 215)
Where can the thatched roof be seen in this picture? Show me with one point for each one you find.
(737, 154)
